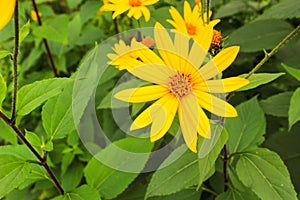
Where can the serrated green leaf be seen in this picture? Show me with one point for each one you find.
(259, 79)
(233, 194)
(72, 179)
(265, 174)
(13, 172)
(294, 110)
(55, 29)
(284, 10)
(259, 35)
(3, 90)
(188, 194)
(33, 95)
(4, 53)
(292, 71)
(25, 30)
(104, 170)
(83, 192)
(183, 169)
(33, 139)
(57, 114)
(246, 131)
(271, 104)
(208, 162)
(19, 151)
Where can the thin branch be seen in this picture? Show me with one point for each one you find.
(15, 64)
(50, 57)
(43, 161)
(225, 174)
(269, 55)
(117, 29)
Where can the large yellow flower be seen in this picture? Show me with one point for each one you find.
(193, 24)
(136, 8)
(182, 82)
(6, 11)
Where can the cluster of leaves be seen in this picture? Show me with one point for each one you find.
(262, 155)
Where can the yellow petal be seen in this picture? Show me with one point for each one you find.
(146, 13)
(215, 105)
(223, 85)
(181, 47)
(7, 8)
(187, 12)
(148, 2)
(197, 55)
(204, 125)
(188, 114)
(144, 118)
(142, 94)
(162, 117)
(145, 54)
(181, 26)
(220, 62)
(154, 73)
(204, 36)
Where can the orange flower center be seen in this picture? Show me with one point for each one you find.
(135, 3)
(191, 29)
(180, 85)
(217, 38)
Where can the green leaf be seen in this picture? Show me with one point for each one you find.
(114, 173)
(13, 172)
(188, 194)
(33, 95)
(294, 110)
(292, 71)
(83, 192)
(72, 179)
(7, 133)
(55, 29)
(265, 173)
(259, 79)
(174, 177)
(246, 131)
(284, 10)
(271, 104)
(4, 53)
(25, 30)
(57, 114)
(260, 35)
(233, 194)
(19, 151)
(88, 10)
(33, 139)
(207, 163)
(231, 8)
(3, 90)
(73, 3)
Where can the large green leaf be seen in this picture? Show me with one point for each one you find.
(18, 151)
(265, 173)
(7, 133)
(231, 8)
(284, 10)
(233, 194)
(115, 167)
(246, 131)
(57, 114)
(260, 35)
(294, 110)
(88, 10)
(259, 79)
(188, 194)
(277, 105)
(33, 95)
(13, 172)
(3, 90)
(81, 193)
(55, 29)
(292, 71)
(207, 163)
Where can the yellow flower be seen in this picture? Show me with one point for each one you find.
(192, 23)
(6, 11)
(182, 82)
(136, 8)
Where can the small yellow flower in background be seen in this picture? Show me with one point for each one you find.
(135, 8)
(182, 83)
(192, 24)
(7, 8)
(34, 15)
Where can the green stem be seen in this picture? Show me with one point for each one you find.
(269, 55)
(15, 64)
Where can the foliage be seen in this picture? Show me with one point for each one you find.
(58, 116)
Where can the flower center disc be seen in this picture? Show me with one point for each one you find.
(135, 3)
(191, 29)
(180, 85)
